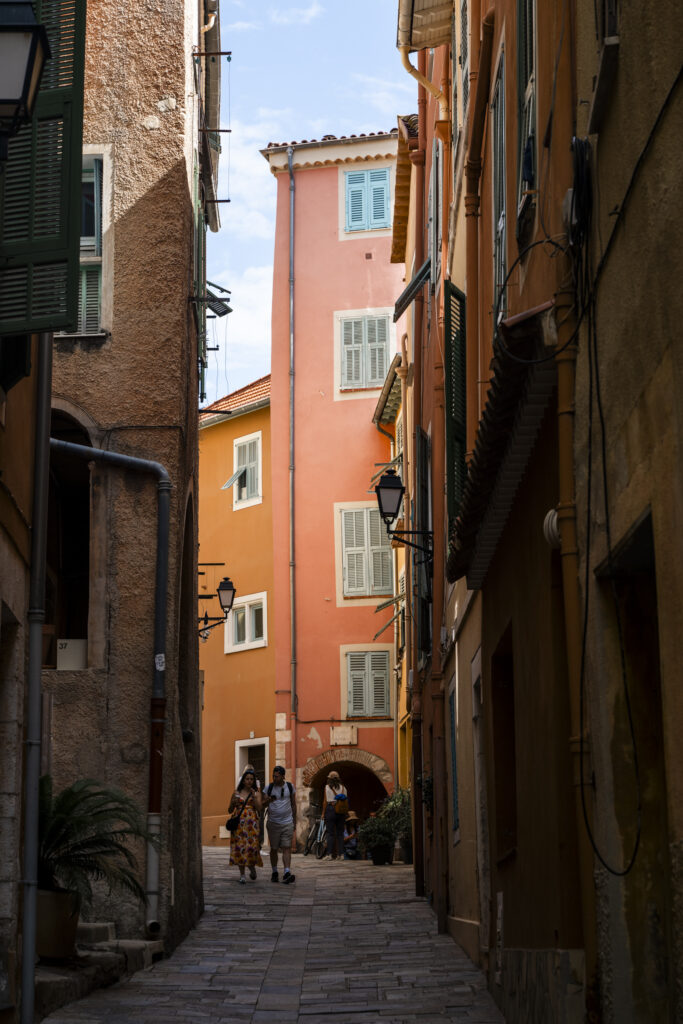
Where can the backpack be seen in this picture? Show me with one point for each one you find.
(269, 788)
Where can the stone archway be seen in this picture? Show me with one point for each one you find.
(367, 777)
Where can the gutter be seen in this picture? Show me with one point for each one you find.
(438, 95)
(158, 701)
(213, 420)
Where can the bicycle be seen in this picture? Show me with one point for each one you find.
(317, 839)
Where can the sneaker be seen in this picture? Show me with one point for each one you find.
(289, 877)
(275, 877)
(252, 872)
(243, 880)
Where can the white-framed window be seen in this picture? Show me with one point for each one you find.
(90, 273)
(364, 351)
(367, 674)
(366, 553)
(367, 199)
(246, 478)
(246, 626)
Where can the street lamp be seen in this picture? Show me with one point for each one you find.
(390, 493)
(226, 595)
(23, 51)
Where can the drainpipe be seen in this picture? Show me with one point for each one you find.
(292, 505)
(472, 176)
(408, 568)
(417, 157)
(158, 701)
(36, 618)
(569, 550)
(418, 74)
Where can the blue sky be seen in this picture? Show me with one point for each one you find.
(298, 71)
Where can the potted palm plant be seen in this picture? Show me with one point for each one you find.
(83, 837)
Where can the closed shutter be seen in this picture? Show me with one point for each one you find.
(377, 333)
(526, 99)
(399, 437)
(98, 176)
(352, 353)
(242, 464)
(89, 299)
(379, 198)
(379, 683)
(356, 679)
(354, 551)
(356, 201)
(380, 554)
(40, 188)
(499, 188)
(456, 422)
(454, 766)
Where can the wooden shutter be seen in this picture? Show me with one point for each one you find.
(379, 682)
(356, 680)
(377, 338)
(352, 353)
(464, 57)
(89, 299)
(454, 765)
(456, 419)
(420, 574)
(354, 551)
(378, 186)
(498, 141)
(40, 188)
(98, 176)
(380, 553)
(242, 452)
(356, 201)
(252, 469)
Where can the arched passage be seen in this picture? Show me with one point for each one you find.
(367, 778)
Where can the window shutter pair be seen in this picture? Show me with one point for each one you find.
(364, 351)
(368, 683)
(366, 553)
(456, 419)
(40, 187)
(367, 199)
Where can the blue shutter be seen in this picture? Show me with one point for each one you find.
(356, 201)
(379, 198)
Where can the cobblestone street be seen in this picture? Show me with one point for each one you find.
(348, 942)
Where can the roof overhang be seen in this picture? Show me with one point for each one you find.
(412, 290)
(209, 419)
(389, 402)
(407, 141)
(518, 396)
(424, 23)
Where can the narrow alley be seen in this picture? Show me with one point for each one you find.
(348, 942)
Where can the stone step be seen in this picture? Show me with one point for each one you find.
(89, 932)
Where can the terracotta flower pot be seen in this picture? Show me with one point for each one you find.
(56, 922)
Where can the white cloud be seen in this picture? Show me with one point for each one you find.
(388, 97)
(296, 15)
(242, 26)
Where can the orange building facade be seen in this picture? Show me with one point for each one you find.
(237, 658)
(333, 341)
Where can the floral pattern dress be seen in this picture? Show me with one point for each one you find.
(245, 848)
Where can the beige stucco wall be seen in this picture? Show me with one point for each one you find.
(138, 385)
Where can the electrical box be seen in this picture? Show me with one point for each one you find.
(72, 655)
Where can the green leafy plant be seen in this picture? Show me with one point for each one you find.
(376, 832)
(396, 810)
(83, 837)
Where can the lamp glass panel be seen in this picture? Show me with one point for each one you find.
(15, 48)
(389, 498)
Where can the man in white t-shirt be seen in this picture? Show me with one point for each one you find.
(280, 799)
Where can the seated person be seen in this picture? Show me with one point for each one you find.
(351, 837)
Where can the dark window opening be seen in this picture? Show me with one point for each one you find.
(67, 581)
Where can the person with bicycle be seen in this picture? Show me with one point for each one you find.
(280, 799)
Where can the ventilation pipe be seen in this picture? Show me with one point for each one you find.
(158, 701)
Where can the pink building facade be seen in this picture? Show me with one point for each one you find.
(333, 339)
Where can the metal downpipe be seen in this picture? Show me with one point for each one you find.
(36, 618)
(158, 700)
(292, 503)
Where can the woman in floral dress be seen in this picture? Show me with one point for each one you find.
(245, 847)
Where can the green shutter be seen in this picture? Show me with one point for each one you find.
(456, 419)
(40, 188)
(89, 299)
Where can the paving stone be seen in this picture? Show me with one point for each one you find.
(350, 944)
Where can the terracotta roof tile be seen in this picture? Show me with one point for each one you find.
(257, 391)
(333, 138)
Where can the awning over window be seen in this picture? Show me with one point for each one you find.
(424, 23)
(412, 290)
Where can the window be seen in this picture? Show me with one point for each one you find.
(421, 566)
(90, 273)
(367, 199)
(454, 764)
(498, 145)
(366, 551)
(456, 424)
(364, 351)
(434, 226)
(246, 625)
(526, 118)
(368, 679)
(246, 478)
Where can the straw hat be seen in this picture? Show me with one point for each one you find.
(333, 775)
(352, 816)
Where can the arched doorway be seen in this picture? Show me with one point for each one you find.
(366, 777)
